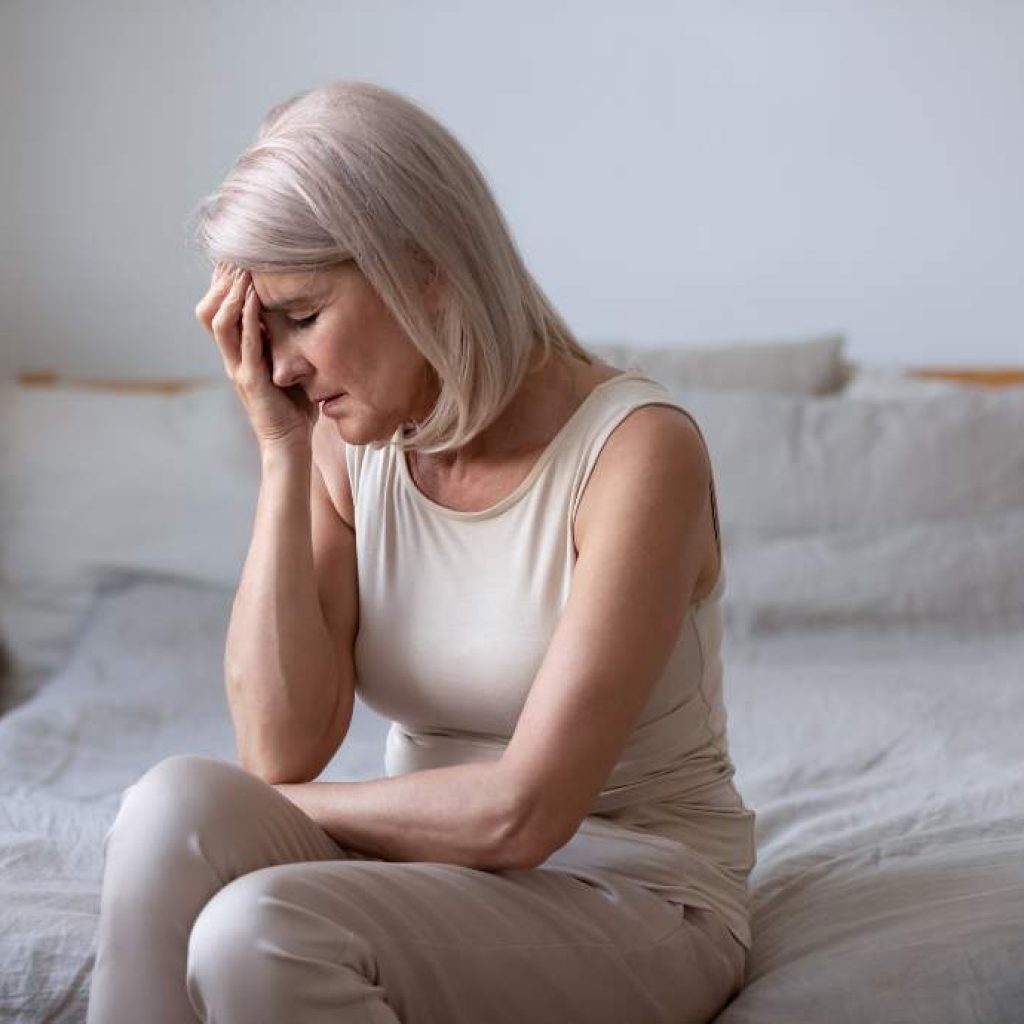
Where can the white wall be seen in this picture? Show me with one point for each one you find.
(673, 172)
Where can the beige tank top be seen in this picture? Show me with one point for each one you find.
(456, 610)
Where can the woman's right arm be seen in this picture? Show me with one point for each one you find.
(288, 659)
(288, 662)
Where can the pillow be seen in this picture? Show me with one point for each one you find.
(98, 484)
(886, 512)
(965, 572)
(810, 366)
(870, 383)
(790, 465)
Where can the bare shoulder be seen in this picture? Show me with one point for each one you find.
(329, 459)
(655, 456)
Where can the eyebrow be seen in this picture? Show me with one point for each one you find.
(297, 300)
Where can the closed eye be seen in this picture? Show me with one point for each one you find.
(304, 322)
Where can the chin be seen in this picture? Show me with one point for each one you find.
(350, 432)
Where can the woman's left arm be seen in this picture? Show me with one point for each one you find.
(459, 814)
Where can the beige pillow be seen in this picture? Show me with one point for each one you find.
(789, 465)
(97, 485)
(811, 366)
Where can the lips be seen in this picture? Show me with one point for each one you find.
(324, 402)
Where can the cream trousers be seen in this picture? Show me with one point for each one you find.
(223, 902)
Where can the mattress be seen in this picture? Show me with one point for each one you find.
(885, 769)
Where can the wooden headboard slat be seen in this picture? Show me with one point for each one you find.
(164, 386)
(982, 376)
(974, 376)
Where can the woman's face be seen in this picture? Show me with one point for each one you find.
(330, 333)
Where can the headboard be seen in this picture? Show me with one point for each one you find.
(979, 376)
(166, 386)
(973, 376)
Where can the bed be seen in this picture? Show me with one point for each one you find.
(873, 523)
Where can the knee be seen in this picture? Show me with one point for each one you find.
(261, 942)
(224, 944)
(181, 773)
(177, 796)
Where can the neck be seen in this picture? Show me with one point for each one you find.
(544, 400)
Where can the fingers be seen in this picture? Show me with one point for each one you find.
(226, 322)
(252, 340)
(230, 309)
(220, 281)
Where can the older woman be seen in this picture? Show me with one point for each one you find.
(504, 545)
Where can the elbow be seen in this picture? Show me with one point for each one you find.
(526, 850)
(524, 842)
(273, 774)
(529, 856)
(512, 853)
(270, 767)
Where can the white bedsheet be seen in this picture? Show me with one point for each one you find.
(887, 773)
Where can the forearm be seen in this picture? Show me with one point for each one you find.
(281, 674)
(461, 814)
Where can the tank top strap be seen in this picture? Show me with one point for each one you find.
(618, 397)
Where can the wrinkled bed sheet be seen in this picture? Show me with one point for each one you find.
(886, 771)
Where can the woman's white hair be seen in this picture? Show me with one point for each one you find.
(354, 171)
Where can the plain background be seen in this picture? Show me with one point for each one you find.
(674, 173)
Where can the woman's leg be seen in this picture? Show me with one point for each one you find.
(223, 902)
(378, 942)
(184, 830)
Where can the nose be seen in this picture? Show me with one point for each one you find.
(287, 367)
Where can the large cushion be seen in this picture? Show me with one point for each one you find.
(807, 366)
(966, 573)
(892, 511)
(96, 485)
(792, 465)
